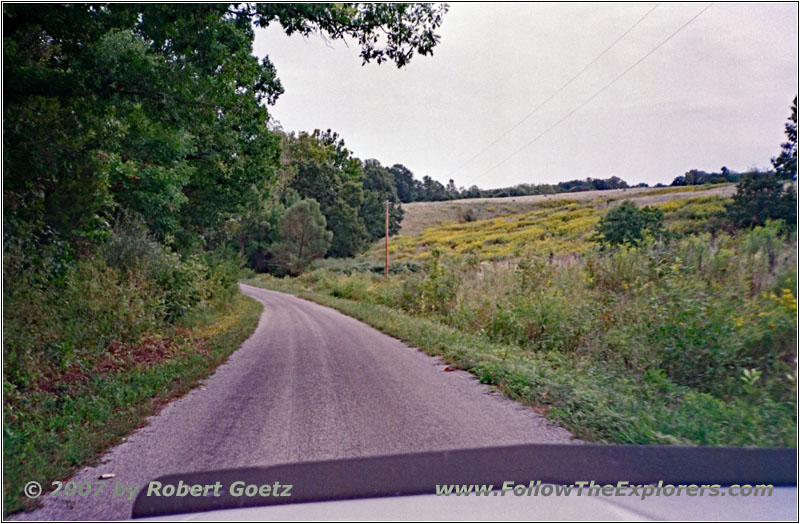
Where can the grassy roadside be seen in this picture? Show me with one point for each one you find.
(596, 401)
(66, 424)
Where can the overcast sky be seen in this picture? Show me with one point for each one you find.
(716, 94)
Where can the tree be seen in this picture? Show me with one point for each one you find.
(150, 110)
(391, 31)
(760, 197)
(159, 110)
(627, 224)
(431, 190)
(786, 163)
(255, 230)
(451, 190)
(379, 187)
(303, 237)
(324, 169)
(404, 183)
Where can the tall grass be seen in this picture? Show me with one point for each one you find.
(704, 326)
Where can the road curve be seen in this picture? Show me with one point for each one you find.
(309, 384)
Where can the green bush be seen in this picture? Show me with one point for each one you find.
(626, 224)
(350, 265)
(354, 286)
(760, 197)
(438, 287)
(49, 327)
(57, 318)
(223, 269)
(182, 282)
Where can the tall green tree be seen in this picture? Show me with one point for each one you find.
(431, 190)
(128, 94)
(404, 183)
(379, 187)
(322, 168)
(303, 237)
(786, 163)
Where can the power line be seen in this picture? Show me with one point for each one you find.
(557, 91)
(598, 93)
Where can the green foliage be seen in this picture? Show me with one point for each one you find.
(786, 163)
(324, 170)
(351, 196)
(133, 287)
(697, 177)
(157, 112)
(634, 345)
(627, 224)
(354, 286)
(379, 187)
(405, 186)
(760, 198)
(303, 237)
(598, 400)
(137, 158)
(350, 265)
(136, 150)
(437, 289)
(108, 110)
(384, 31)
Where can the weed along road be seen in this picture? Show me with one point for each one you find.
(309, 384)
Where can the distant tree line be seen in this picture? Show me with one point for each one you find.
(409, 189)
(697, 177)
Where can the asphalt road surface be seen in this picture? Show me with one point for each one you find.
(309, 384)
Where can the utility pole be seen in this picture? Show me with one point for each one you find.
(386, 264)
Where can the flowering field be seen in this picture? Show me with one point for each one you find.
(561, 227)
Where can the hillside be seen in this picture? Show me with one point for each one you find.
(420, 215)
(689, 339)
(559, 224)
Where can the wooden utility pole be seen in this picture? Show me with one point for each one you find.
(386, 264)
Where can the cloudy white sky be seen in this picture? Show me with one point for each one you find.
(716, 94)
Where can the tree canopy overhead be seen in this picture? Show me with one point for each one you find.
(158, 110)
(384, 31)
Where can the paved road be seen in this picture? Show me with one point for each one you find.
(309, 384)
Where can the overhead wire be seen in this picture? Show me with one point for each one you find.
(555, 93)
(595, 95)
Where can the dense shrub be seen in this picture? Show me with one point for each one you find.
(627, 224)
(131, 287)
(438, 287)
(466, 214)
(760, 197)
(48, 327)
